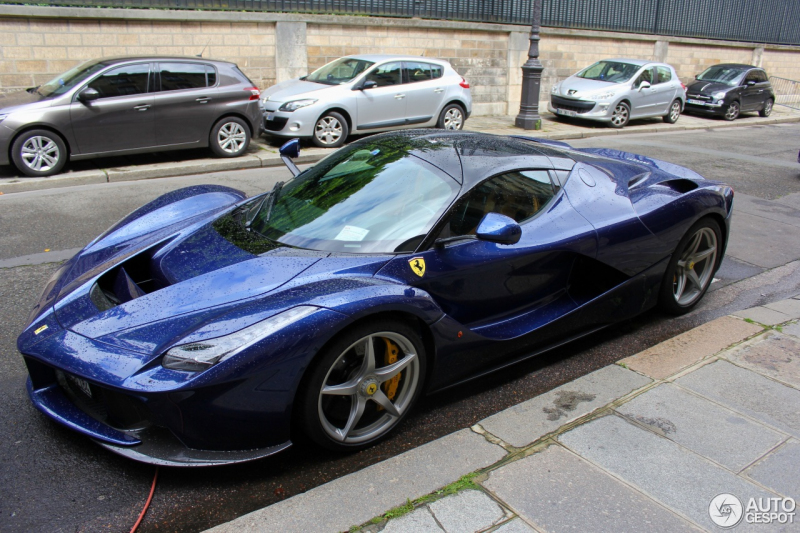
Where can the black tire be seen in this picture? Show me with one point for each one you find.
(39, 153)
(330, 130)
(325, 418)
(674, 112)
(676, 300)
(229, 137)
(451, 118)
(767, 109)
(732, 111)
(621, 116)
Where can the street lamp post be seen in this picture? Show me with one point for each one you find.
(528, 117)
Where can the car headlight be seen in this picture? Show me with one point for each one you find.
(719, 95)
(554, 90)
(606, 96)
(197, 356)
(296, 104)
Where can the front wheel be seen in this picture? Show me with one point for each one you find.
(767, 111)
(620, 116)
(330, 131)
(674, 112)
(362, 386)
(230, 137)
(732, 112)
(691, 268)
(451, 118)
(39, 153)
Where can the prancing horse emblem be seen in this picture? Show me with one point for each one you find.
(417, 265)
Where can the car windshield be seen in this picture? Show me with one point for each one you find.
(371, 197)
(722, 74)
(610, 71)
(340, 71)
(64, 82)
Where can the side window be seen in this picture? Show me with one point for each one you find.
(122, 81)
(418, 71)
(211, 76)
(177, 76)
(386, 75)
(519, 195)
(762, 76)
(646, 75)
(663, 74)
(751, 76)
(437, 71)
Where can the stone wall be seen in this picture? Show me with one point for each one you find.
(38, 43)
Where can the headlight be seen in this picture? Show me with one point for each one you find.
(606, 96)
(197, 356)
(719, 95)
(554, 90)
(296, 104)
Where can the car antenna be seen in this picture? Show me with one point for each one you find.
(204, 49)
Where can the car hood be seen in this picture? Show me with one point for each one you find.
(286, 90)
(707, 87)
(582, 87)
(16, 100)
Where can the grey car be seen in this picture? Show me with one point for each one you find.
(127, 106)
(367, 94)
(618, 90)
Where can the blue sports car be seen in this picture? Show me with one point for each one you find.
(207, 327)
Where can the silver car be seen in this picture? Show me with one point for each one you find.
(617, 90)
(129, 105)
(367, 94)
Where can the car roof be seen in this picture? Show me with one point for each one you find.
(639, 62)
(376, 58)
(125, 59)
(735, 65)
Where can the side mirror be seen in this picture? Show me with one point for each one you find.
(290, 150)
(88, 94)
(697, 76)
(644, 85)
(498, 228)
(751, 82)
(369, 84)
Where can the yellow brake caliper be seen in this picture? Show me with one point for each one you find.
(390, 386)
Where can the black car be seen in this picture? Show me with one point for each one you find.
(730, 89)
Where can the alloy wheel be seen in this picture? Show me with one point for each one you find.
(767, 108)
(620, 115)
(732, 112)
(695, 268)
(328, 130)
(368, 387)
(231, 137)
(453, 119)
(675, 112)
(40, 153)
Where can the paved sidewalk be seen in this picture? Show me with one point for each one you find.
(642, 445)
(263, 152)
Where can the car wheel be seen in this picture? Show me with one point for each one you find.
(451, 118)
(620, 116)
(691, 268)
(330, 131)
(230, 137)
(39, 153)
(732, 111)
(767, 111)
(362, 385)
(674, 112)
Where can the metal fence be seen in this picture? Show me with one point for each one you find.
(787, 92)
(761, 21)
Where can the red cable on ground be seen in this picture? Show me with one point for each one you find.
(147, 503)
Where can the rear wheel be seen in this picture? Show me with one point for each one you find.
(230, 137)
(732, 111)
(451, 118)
(674, 112)
(691, 268)
(39, 153)
(767, 111)
(620, 116)
(362, 386)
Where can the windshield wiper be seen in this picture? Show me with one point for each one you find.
(269, 200)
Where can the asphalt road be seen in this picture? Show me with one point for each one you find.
(55, 480)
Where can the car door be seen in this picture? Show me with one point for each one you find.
(424, 92)
(644, 100)
(750, 91)
(186, 102)
(763, 85)
(484, 285)
(121, 118)
(385, 104)
(665, 89)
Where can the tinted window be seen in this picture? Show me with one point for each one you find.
(177, 76)
(761, 76)
(122, 81)
(418, 72)
(437, 71)
(519, 195)
(646, 75)
(211, 76)
(663, 74)
(386, 75)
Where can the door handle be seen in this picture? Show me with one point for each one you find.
(203, 99)
(438, 90)
(399, 96)
(142, 107)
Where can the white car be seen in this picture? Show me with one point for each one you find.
(618, 90)
(367, 94)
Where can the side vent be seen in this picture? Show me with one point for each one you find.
(681, 186)
(128, 281)
(638, 180)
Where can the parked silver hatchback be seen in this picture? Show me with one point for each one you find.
(367, 94)
(129, 105)
(618, 90)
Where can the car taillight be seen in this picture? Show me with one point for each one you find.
(254, 92)
(684, 86)
(464, 83)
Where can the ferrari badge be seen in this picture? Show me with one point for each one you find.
(417, 265)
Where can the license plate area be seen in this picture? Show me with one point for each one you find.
(696, 102)
(80, 384)
(566, 112)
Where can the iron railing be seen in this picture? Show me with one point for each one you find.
(787, 92)
(760, 21)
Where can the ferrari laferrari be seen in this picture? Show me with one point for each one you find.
(208, 327)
